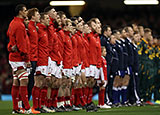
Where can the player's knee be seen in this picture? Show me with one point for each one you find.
(23, 82)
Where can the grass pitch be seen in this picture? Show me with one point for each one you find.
(6, 109)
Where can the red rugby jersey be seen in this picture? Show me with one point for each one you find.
(43, 51)
(86, 46)
(93, 49)
(98, 46)
(61, 38)
(67, 53)
(80, 49)
(55, 52)
(33, 38)
(74, 54)
(18, 36)
(51, 30)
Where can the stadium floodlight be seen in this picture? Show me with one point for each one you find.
(141, 2)
(67, 3)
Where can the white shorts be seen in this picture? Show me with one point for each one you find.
(52, 67)
(93, 70)
(74, 71)
(42, 70)
(15, 65)
(97, 73)
(58, 73)
(87, 72)
(78, 70)
(67, 72)
(99, 81)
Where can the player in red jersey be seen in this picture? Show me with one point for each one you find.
(67, 61)
(52, 43)
(34, 17)
(94, 59)
(61, 20)
(19, 59)
(42, 63)
(86, 31)
(81, 56)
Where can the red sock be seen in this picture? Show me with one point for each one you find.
(49, 102)
(35, 96)
(90, 95)
(83, 102)
(103, 91)
(43, 96)
(72, 97)
(100, 97)
(54, 95)
(77, 96)
(86, 90)
(15, 96)
(24, 96)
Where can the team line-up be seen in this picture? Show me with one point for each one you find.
(59, 60)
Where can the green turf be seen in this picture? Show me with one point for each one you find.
(6, 108)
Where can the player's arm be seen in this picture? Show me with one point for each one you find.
(22, 43)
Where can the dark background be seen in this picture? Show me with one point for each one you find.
(111, 12)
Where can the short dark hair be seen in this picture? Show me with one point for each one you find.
(73, 18)
(48, 8)
(60, 13)
(115, 31)
(146, 30)
(31, 12)
(42, 15)
(104, 28)
(18, 8)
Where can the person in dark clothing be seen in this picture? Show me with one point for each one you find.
(129, 72)
(135, 67)
(114, 70)
(120, 73)
(105, 41)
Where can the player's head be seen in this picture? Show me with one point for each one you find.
(136, 37)
(117, 34)
(92, 24)
(21, 10)
(68, 25)
(106, 31)
(112, 39)
(98, 22)
(86, 28)
(141, 30)
(123, 33)
(44, 19)
(135, 27)
(147, 33)
(129, 31)
(51, 11)
(62, 17)
(79, 26)
(103, 51)
(33, 14)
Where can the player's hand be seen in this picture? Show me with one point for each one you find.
(102, 82)
(28, 64)
(14, 48)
